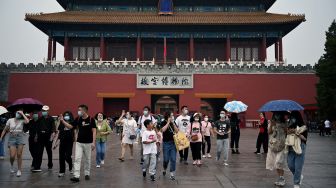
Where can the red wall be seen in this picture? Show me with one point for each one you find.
(63, 91)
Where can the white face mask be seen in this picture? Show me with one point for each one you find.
(196, 119)
(185, 112)
(222, 115)
(80, 113)
(206, 119)
(145, 112)
(128, 116)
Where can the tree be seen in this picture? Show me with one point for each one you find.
(326, 71)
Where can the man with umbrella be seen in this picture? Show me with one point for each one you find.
(46, 133)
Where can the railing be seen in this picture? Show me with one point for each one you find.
(252, 123)
(178, 63)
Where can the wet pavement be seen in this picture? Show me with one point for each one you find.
(246, 170)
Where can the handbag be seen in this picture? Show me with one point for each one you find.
(132, 136)
(180, 139)
(194, 138)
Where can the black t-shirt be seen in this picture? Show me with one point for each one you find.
(222, 127)
(65, 133)
(168, 134)
(85, 127)
(32, 127)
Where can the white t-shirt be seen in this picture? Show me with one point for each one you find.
(129, 127)
(327, 124)
(149, 136)
(141, 121)
(13, 126)
(182, 123)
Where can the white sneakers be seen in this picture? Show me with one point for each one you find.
(61, 175)
(208, 156)
(102, 162)
(18, 173)
(296, 186)
(204, 156)
(98, 166)
(12, 171)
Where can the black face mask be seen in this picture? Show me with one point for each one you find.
(3, 120)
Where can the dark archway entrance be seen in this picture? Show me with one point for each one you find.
(163, 103)
(212, 106)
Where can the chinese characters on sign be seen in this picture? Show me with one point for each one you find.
(164, 81)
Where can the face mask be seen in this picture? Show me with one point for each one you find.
(196, 119)
(145, 112)
(222, 115)
(185, 112)
(128, 116)
(17, 115)
(80, 113)
(66, 118)
(35, 116)
(206, 119)
(44, 114)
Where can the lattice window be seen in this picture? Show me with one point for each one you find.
(234, 54)
(240, 54)
(82, 53)
(96, 52)
(255, 53)
(90, 53)
(247, 54)
(75, 52)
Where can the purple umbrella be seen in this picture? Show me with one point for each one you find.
(27, 104)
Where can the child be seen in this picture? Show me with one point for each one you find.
(149, 139)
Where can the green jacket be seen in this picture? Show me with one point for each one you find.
(104, 128)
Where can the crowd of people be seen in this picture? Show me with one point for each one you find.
(283, 138)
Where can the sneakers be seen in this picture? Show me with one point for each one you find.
(12, 171)
(18, 173)
(208, 156)
(98, 166)
(164, 172)
(296, 186)
(281, 182)
(152, 177)
(195, 163)
(199, 162)
(225, 163)
(102, 162)
(74, 180)
(204, 156)
(301, 179)
(2, 157)
(36, 170)
(257, 152)
(61, 175)
(87, 177)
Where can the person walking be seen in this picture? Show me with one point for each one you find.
(182, 122)
(235, 133)
(85, 143)
(194, 132)
(103, 129)
(129, 133)
(149, 139)
(14, 127)
(207, 132)
(223, 129)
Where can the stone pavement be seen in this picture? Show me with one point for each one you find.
(246, 170)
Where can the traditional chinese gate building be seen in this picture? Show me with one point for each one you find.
(191, 44)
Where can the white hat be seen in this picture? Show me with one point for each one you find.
(195, 114)
(45, 108)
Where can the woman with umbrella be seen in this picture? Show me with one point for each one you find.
(16, 142)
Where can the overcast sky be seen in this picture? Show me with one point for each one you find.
(20, 41)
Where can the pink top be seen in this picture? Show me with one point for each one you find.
(206, 127)
(196, 130)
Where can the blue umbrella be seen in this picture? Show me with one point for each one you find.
(280, 105)
(235, 106)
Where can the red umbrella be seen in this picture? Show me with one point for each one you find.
(27, 104)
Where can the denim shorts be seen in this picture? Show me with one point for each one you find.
(16, 139)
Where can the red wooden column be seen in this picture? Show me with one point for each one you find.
(66, 48)
(49, 48)
(280, 50)
(228, 48)
(138, 48)
(276, 50)
(263, 49)
(102, 48)
(191, 48)
(54, 49)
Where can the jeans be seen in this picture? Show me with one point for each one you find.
(65, 152)
(100, 151)
(295, 163)
(169, 155)
(196, 150)
(223, 145)
(150, 162)
(208, 141)
(2, 149)
(82, 149)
